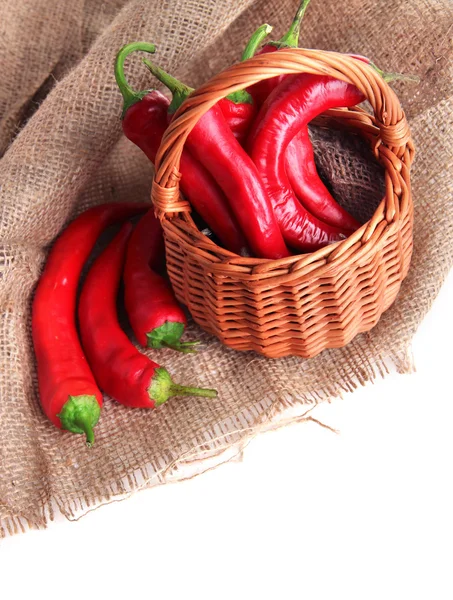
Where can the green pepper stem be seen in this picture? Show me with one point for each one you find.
(254, 42)
(184, 347)
(388, 77)
(240, 97)
(179, 90)
(183, 390)
(162, 388)
(89, 433)
(130, 96)
(168, 335)
(291, 37)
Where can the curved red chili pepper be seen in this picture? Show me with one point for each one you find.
(308, 186)
(290, 107)
(68, 391)
(300, 162)
(120, 369)
(238, 177)
(305, 181)
(212, 142)
(154, 313)
(144, 122)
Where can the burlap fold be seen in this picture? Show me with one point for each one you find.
(62, 148)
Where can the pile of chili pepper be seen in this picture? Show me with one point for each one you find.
(248, 166)
(75, 365)
(249, 173)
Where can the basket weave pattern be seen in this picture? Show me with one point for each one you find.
(302, 304)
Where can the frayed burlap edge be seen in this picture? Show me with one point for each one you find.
(221, 449)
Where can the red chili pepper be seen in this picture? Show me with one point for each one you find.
(306, 183)
(212, 142)
(144, 122)
(261, 90)
(308, 186)
(239, 108)
(120, 369)
(295, 102)
(300, 163)
(154, 313)
(304, 179)
(68, 392)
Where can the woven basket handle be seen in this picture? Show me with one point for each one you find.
(393, 141)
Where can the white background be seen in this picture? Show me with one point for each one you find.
(309, 514)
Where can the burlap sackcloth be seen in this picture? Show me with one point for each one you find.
(63, 151)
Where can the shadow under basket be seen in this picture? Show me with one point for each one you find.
(302, 304)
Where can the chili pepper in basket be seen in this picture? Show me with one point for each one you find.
(119, 368)
(144, 121)
(311, 192)
(68, 392)
(154, 313)
(239, 108)
(261, 90)
(290, 107)
(212, 142)
(303, 176)
(300, 162)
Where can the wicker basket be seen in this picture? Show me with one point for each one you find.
(302, 304)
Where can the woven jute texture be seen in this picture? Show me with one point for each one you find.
(62, 151)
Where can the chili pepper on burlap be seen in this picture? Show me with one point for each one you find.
(212, 143)
(289, 108)
(154, 313)
(144, 121)
(119, 368)
(68, 391)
